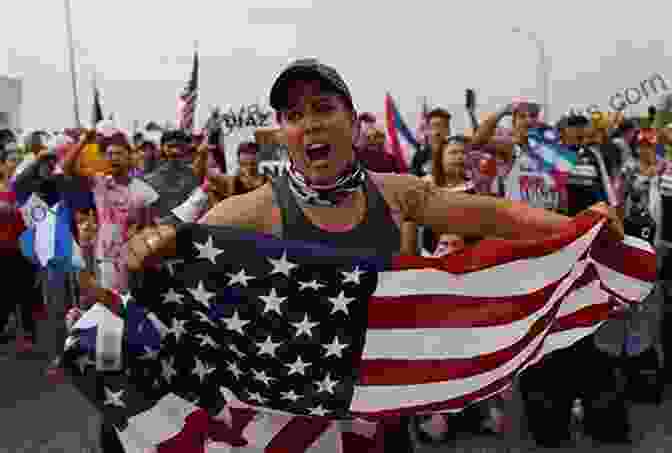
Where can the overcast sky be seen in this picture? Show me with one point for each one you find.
(141, 51)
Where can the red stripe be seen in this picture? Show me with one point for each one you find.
(297, 435)
(496, 252)
(453, 311)
(413, 372)
(631, 261)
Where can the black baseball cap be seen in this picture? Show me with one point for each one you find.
(308, 69)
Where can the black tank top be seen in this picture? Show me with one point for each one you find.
(377, 233)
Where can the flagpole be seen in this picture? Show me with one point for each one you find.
(73, 73)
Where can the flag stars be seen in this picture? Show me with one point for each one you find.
(172, 297)
(304, 326)
(202, 317)
(298, 367)
(281, 266)
(208, 250)
(236, 351)
(233, 368)
(272, 302)
(261, 376)
(268, 347)
(235, 323)
(353, 276)
(206, 340)
(201, 370)
(340, 303)
(254, 396)
(319, 411)
(178, 329)
(114, 398)
(201, 295)
(310, 285)
(291, 395)
(167, 369)
(335, 348)
(326, 385)
(239, 278)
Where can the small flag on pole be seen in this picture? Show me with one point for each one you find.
(186, 103)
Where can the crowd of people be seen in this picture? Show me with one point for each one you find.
(345, 186)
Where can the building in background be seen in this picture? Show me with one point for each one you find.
(11, 97)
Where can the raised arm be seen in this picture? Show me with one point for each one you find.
(474, 215)
(70, 161)
(486, 130)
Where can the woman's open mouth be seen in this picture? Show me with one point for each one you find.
(317, 152)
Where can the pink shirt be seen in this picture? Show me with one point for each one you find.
(119, 206)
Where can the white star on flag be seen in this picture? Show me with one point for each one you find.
(254, 396)
(83, 361)
(172, 296)
(236, 351)
(208, 250)
(282, 266)
(261, 376)
(268, 347)
(206, 340)
(178, 328)
(201, 370)
(204, 318)
(297, 367)
(352, 276)
(326, 385)
(235, 370)
(241, 277)
(235, 323)
(167, 370)
(304, 326)
(340, 303)
(273, 302)
(149, 354)
(202, 295)
(114, 398)
(335, 348)
(290, 396)
(319, 411)
(310, 285)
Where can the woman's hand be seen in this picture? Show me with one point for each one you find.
(152, 242)
(614, 222)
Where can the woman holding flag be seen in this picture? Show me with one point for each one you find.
(326, 196)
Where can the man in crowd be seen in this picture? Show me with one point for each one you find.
(439, 131)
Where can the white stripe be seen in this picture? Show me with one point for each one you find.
(373, 398)
(158, 424)
(260, 431)
(583, 297)
(459, 343)
(635, 242)
(511, 279)
(627, 287)
(563, 339)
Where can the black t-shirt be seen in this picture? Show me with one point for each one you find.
(422, 161)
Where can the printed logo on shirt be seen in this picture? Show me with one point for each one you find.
(38, 213)
(538, 192)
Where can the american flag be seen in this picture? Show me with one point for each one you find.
(276, 338)
(186, 102)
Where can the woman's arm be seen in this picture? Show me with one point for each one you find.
(472, 215)
(409, 238)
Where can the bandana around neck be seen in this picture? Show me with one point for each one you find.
(331, 195)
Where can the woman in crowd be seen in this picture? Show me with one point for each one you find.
(326, 196)
(20, 288)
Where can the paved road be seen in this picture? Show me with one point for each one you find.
(38, 417)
